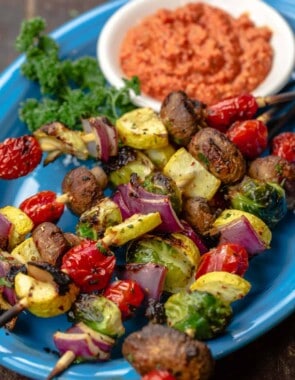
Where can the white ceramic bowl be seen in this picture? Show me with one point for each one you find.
(110, 39)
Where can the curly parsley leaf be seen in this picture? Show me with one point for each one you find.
(71, 89)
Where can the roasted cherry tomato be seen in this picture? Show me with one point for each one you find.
(42, 207)
(158, 374)
(19, 156)
(126, 294)
(283, 145)
(222, 114)
(228, 257)
(89, 266)
(250, 136)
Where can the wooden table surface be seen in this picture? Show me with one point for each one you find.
(272, 356)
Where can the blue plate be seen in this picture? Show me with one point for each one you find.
(29, 350)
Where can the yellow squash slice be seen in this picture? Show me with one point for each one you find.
(133, 227)
(190, 176)
(26, 251)
(42, 298)
(21, 224)
(227, 286)
(142, 129)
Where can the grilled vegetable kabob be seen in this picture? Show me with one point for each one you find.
(181, 116)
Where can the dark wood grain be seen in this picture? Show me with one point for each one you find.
(272, 356)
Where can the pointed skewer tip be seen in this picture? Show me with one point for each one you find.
(63, 363)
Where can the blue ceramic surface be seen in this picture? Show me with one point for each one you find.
(29, 350)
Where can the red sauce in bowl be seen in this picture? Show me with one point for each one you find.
(199, 49)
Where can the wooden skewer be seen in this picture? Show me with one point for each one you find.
(275, 125)
(63, 363)
(266, 116)
(284, 97)
(14, 311)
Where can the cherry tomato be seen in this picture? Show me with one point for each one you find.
(283, 145)
(222, 114)
(89, 266)
(19, 156)
(250, 136)
(126, 294)
(228, 257)
(42, 207)
(157, 374)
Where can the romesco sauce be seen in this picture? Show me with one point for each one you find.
(199, 49)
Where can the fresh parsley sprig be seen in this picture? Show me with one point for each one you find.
(70, 89)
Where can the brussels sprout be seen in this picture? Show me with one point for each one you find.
(160, 183)
(93, 222)
(99, 313)
(128, 161)
(264, 199)
(170, 252)
(198, 314)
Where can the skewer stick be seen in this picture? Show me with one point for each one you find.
(14, 311)
(266, 116)
(278, 123)
(63, 363)
(263, 101)
(107, 240)
(63, 198)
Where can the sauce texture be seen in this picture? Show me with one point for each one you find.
(199, 49)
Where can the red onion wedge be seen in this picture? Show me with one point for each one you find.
(9, 295)
(189, 232)
(6, 262)
(96, 126)
(103, 140)
(138, 200)
(112, 133)
(118, 199)
(82, 343)
(5, 228)
(240, 231)
(150, 277)
(104, 342)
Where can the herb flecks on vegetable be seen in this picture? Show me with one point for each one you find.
(71, 89)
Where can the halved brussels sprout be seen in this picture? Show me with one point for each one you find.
(266, 200)
(199, 314)
(99, 313)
